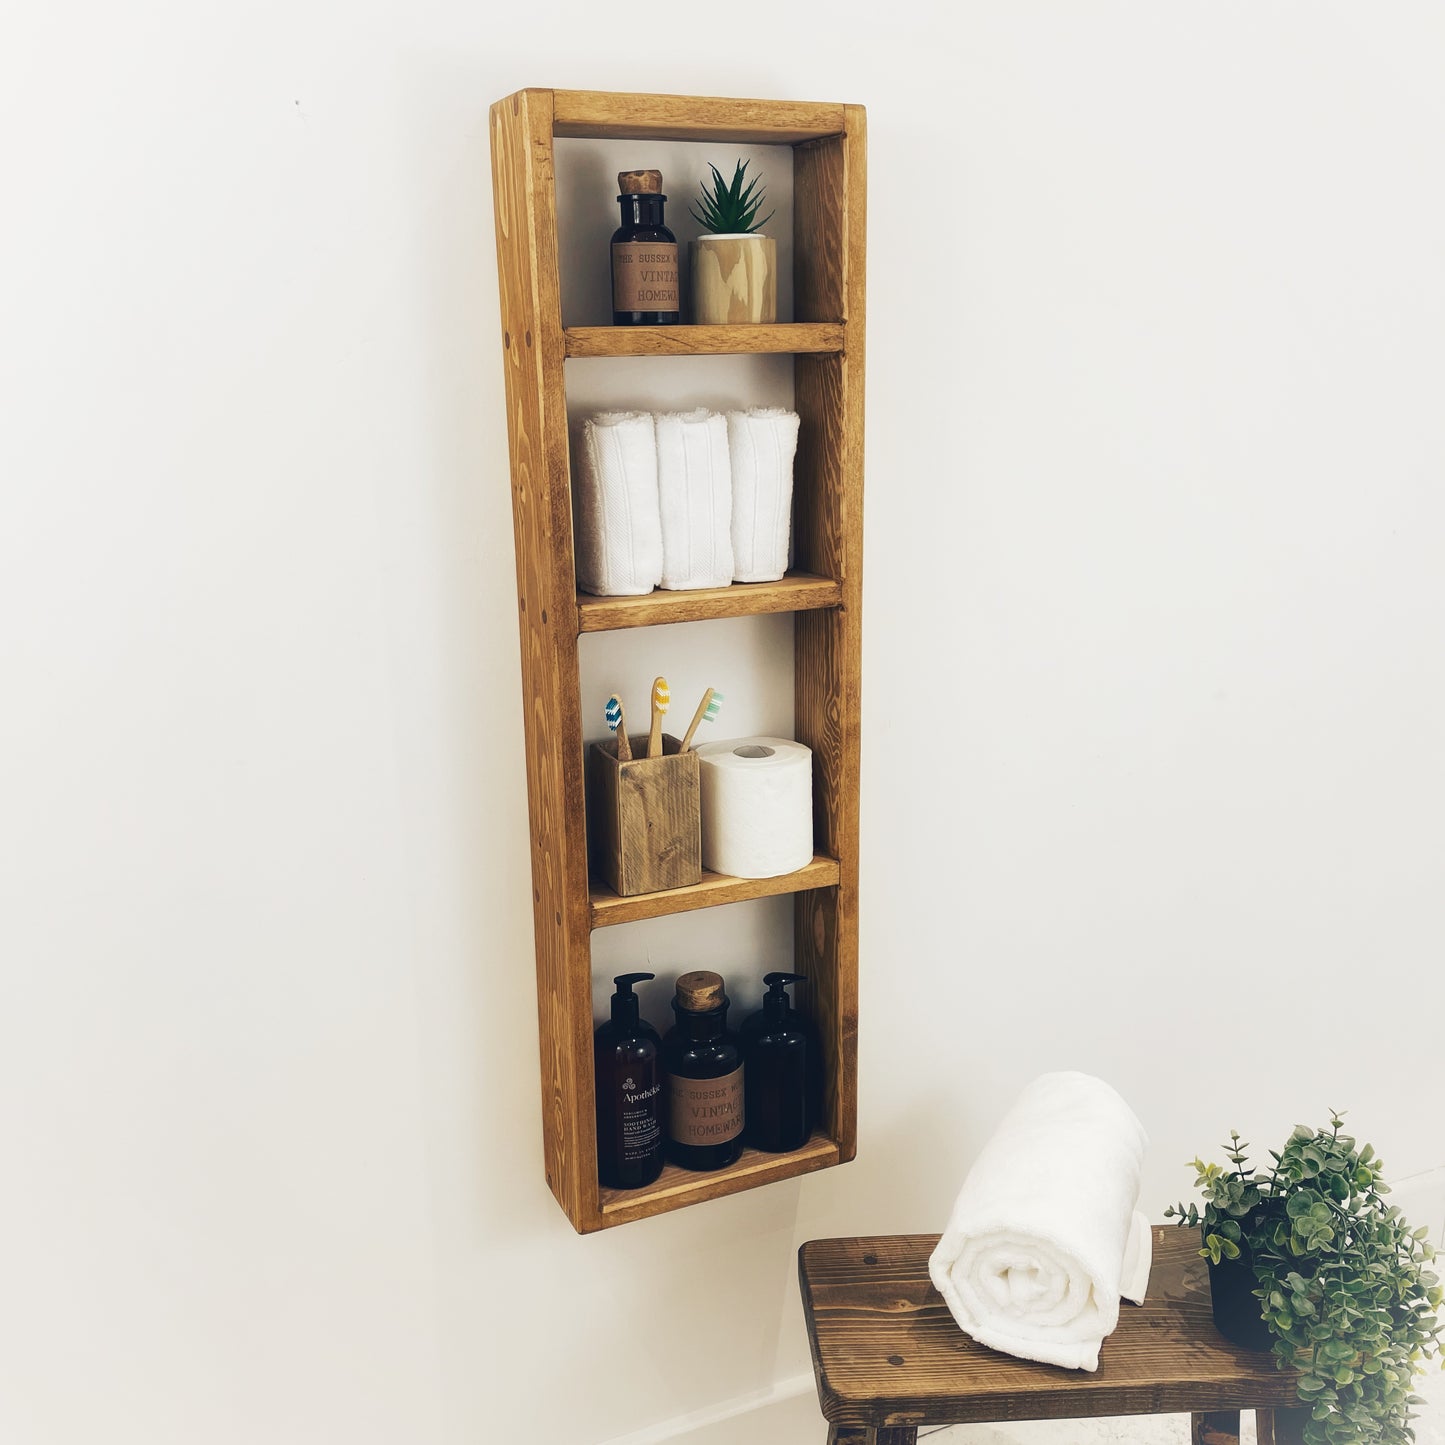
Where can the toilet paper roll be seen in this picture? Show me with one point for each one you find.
(757, 806)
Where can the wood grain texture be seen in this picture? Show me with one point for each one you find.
(644, 827)
(760, 340)
(819, 222)
(713, 891)
(886, 1351)
(675, 1188)
(830, 214)
(797, 592)
(830, 209)
(735, 280)
(613, 115)
(1214, 1427)
(532, 354)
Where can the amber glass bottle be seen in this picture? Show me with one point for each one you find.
(625, 1053)
(644, 256)
(704, 1077)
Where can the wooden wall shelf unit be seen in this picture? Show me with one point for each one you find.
(824, 593)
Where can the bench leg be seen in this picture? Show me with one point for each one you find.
(1214, 1427)
(885, 1435)
(1281, 1427)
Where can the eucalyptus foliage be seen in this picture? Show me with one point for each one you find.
(1343, 1283)
(730, 209)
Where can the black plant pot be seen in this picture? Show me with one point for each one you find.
(1238, 1315)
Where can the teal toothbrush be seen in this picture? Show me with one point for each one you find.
(707, 711)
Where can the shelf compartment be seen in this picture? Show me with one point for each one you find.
(797, 592)
(797, 337)
(606, 115)
(675, 1188)
(714, 890)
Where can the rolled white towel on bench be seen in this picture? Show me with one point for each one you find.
(695, 491)
(619, 526)
(1045, 1236)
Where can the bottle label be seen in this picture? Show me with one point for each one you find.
(641, 1119)
(644, 276)
(706, 1111)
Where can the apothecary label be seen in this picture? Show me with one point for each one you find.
(706, 1111)
(644, 276)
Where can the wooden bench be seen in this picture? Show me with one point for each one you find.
(889, 1358)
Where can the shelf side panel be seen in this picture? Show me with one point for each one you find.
(830, 202)
(533, 354)
(819, 222)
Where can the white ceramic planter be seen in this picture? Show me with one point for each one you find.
(734, 279)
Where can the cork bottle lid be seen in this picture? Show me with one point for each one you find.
(633, 183)
(700, 992)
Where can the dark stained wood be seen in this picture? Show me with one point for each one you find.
(797, 592)
(1214, 1427)
(740, 339)
(1280, 1426)
(886, 1351)
(532, 357)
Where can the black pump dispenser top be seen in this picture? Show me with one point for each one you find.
(777, 1003)
(624, 1001)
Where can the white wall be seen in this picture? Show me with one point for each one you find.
(1155, 684)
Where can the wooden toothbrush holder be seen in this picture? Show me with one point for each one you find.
(644, 827)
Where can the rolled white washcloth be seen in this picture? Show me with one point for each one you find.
(761, 445)
(1045, 1236)
(619, 525)
(695, 491)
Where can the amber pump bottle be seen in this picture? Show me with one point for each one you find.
(783, 1071)
(645, 288)
(704, 1077)
(625, 1052)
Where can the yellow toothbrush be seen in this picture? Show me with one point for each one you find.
(707, 711)
(661, 697)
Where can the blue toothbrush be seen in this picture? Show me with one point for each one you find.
(617, 721)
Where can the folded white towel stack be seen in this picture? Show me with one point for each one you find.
(619, 526)
(1045, 1236)
(694, 484)
(761, 445)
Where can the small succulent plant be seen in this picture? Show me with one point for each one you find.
(730, 209)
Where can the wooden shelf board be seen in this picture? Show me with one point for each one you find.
(675, 1188)
(610, 115)
(797, 337)
(714, 890)
(797, 592)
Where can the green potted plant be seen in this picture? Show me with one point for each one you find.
(734, 268)
(1306, 1258)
